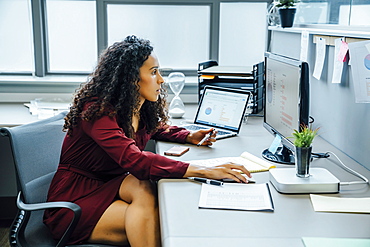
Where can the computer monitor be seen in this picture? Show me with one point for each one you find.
(286, 103)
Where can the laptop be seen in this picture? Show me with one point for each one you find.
(222, 109)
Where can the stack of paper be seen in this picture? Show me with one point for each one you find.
(254, 197)
(335, 242)
(340, 204)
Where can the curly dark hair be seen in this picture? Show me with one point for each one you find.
(113, 89)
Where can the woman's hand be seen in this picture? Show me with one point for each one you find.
(197, 136)
(229, 170)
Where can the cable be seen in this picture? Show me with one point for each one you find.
(320, 155)
(312, 120)
(366, 181)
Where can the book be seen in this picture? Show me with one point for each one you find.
(251, 197)
(248, 160)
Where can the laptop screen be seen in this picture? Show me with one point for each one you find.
(222, 108)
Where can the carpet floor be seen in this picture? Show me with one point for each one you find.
(4, 233)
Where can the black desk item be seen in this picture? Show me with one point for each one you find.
(249, 78)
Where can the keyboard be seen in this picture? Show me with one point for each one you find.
(197, 127)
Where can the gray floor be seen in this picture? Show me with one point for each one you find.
(4, 233)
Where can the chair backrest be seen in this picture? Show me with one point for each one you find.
(36, 149)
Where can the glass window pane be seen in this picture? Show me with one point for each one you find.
(178, 44)
(15, 36)
(312, 13)
(242, 33)
(343, 13)
(71, 30)
(360, 13)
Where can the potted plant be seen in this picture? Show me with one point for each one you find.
(286, 12)
(303, 147)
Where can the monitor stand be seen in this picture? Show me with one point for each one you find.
(282, 155)
(320, 180)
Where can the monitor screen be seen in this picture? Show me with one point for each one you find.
(286, 103)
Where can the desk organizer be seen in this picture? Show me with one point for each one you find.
(249, 78)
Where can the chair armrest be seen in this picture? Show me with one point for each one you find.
(49, 205)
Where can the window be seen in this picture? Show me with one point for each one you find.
(179, 44)
(343, 13)
(359, 13)
(68, 35)
(71, 36)
(242, 33)
(15, 37)
(65, 36)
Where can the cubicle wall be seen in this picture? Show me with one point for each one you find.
(342, 122)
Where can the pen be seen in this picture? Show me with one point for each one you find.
(205, 138)
(206, 181)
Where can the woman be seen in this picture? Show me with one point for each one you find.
(103, 167)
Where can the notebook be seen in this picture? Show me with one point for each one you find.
(222, 109)
(248, 160)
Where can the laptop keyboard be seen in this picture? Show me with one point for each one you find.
(197, 127)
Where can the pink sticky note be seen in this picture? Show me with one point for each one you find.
(343, 51)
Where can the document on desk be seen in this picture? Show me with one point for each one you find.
(335, 242)
(340, 204)
(250, 197)
(248, 160)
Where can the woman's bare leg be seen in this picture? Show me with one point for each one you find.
(110, 228)
(134, 219)
(142, 216)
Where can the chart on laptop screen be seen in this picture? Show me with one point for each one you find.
(222, 108)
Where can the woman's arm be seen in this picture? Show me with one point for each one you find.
(181, 135)
(106, 133)
(196, 137)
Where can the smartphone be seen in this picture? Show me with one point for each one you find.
(176, 151)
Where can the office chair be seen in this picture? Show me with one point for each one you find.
(36, 149)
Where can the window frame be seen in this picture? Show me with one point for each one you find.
(102, 32)
(39, 25)
(39, 30)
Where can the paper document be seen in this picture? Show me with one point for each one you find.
(360, 66)
(338, 63)
(340, 204)
(255, 197)
(335, 242)
(304, 45)
(248, 160)
(320, 57)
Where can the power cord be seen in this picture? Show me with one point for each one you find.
(320, 155)
(346, 168)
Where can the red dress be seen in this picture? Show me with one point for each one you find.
(93, 163)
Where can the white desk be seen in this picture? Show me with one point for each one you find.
(14, 114)
(183, 224)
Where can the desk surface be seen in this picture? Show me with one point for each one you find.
(184, 224)
(13, 114)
